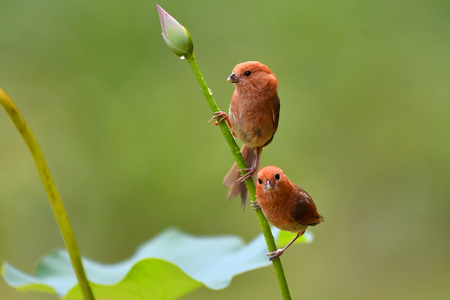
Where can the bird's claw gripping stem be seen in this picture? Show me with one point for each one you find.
(254, 205)
(275, 254)
(220, 116)
(250, 172)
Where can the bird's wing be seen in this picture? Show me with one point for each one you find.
(305, 211)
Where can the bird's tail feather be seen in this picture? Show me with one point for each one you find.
(233, 175)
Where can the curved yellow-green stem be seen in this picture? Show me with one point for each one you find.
(52, 193)
(265, 227)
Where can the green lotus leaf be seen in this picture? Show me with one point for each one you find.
(169, 266)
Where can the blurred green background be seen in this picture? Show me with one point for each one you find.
(364, 128)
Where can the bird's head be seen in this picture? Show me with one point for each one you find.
(269, 178)
(252, 75)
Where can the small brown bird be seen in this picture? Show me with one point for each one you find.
(284, 204)
(253, 118)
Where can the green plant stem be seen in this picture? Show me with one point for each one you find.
(52, 193)
(265, 227)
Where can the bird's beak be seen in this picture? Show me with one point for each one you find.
(269, 185)
(233, 78)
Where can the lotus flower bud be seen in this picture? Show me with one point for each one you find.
(175, 35)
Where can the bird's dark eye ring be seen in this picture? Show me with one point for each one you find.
(259, 181)
(277, 176)
(247, 73)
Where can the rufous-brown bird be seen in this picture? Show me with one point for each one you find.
(285, 205)
(253, 118)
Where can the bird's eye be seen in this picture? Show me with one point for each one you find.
(247, 73)
(277, 176)
(259, 181)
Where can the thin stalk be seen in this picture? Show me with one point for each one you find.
(271, 245)
(52, 193)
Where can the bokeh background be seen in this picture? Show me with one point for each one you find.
(364, 128)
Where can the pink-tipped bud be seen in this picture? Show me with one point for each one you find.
(175, 35)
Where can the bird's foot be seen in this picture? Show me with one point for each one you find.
(275, 254)
(220, 116)
(250, 172)
(254, 205)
